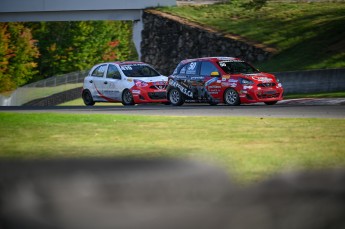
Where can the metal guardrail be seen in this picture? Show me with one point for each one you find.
(44, 88)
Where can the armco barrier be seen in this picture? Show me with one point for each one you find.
(44, 89)
(311, 81)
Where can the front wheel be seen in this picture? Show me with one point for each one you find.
(176, 97)
(87, 98)
(127, 98)
(231, 97)
(271, 103)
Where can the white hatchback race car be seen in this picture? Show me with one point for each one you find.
(126, 82)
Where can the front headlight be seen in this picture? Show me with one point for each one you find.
(140, 83)
(246, 81)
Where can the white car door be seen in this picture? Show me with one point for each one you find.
(97, 81)
(112, 84)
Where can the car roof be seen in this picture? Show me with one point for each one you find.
(213, 59)
(123, 62)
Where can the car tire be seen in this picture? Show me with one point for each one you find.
(271, 102)
(231, 97)
(87, 98)
(175, 97)
(127, 98)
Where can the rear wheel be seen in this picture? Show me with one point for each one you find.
(87, 98)
(271, 103)
(175, 97)
(231, 97)
(127, 98)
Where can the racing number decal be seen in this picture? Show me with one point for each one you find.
(192, 66)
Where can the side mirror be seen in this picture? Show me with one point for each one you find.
(215, 74)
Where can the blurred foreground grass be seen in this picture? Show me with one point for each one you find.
(250, 148)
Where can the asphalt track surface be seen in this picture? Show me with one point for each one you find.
(299, 108)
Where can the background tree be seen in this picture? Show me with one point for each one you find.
(73, 46)
(18, 53)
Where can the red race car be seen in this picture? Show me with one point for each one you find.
(226, 80)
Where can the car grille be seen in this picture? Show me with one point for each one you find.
(266, 84)
(268, 94)
(157, 95)
(159, 85)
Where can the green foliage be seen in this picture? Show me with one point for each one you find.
(18, 53)
(72, 46)
(32, 51)
(307, 35)
(254, 4)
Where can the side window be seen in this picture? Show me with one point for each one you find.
(99, 71)
(113, 72)
(207, 68)
(192, 68)
(189, 69)
(183, 70)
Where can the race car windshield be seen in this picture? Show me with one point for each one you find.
(233, 67)
(138, 70)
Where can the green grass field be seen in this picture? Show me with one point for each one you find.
(250, 148)
(307, 35)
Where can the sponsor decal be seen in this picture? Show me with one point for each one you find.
(129, 66)
(233, 84)
(103, 96)
(247, 87)
(126, 67)
(160, 85)
(192, 66)
(181, 88)
(136, 91)
(218, 81)
(211, 81)
(263, 79)
(129, 80)
(180, 77)
(213, 92)
(226, 76)
(214, 86)
(232, 80)
(223, 62)
(225, 84)
(197, 78)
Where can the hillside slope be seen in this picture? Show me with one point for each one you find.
(307, 35)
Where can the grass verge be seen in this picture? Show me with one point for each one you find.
(250, 148)
(307, 35)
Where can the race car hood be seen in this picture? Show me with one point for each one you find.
(151, 79)
(261, 77)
